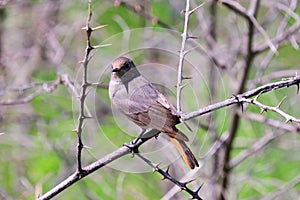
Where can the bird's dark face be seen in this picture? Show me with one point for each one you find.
(122, 65)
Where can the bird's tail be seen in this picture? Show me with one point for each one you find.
(185, 152)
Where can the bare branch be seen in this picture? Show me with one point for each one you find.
(181, 56)
(271, 122)
(238, 98)
(284, 189)
(274, 109)
(279, 39)
(167, 175)
(258, 145)
(235, 6)
(75, 177)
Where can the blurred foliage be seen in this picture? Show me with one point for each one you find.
(41, 39)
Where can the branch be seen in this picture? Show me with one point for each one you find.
(295, 128)
(138, 10)
(264, 108)
(279, 39)
(46, 87)
(284, 189)
(255, 147)
(87, 57)
(238, 98)
(166, 175)
(181, 56)
(236, 7)
(261, 143)
(75, 177)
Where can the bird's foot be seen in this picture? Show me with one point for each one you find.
(133, 147)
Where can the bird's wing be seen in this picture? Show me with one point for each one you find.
(145, 96)
(148, 107)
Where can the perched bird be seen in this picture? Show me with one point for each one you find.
(143, 104)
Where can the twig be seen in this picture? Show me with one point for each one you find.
(181, 56)
(84, 92)
(85, 171)
(82, 116)
(294, 128)
(255, 147)
(235, 6)
(283, 189)
(167, 175)
(278, 39)
(263, 107)
(237, 98)
(261, 143)
(138, 9)
(75, 177)
(47, 87)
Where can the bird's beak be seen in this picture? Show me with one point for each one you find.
(115, 70)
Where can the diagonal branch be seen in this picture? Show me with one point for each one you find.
(75, 177)
(237, 98)
(235, 6)
(167, 175)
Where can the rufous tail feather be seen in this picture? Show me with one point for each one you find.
(185, 152)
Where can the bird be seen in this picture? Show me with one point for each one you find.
(138, 99)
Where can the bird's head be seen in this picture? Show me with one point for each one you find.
(122, 65)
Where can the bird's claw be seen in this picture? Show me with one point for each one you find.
(132, 145)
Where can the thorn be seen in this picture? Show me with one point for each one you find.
(184, 85)
(187, 182)
(262, 110)
(288, 120)
(80, 62)
(236, 97)
(100, 46)
(242, 106)
(256, 97)
(75, 130)
(197, 191)
(279, 104)
(202, 4)
(99, 27)
(167, 170)
(187, 77)
(191, 49)
(239, 102)
(192, 37)
(156, 167)
(132, 147)
(86, 147)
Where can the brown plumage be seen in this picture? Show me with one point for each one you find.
(143, 104)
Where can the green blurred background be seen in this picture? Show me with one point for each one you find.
(41, 39)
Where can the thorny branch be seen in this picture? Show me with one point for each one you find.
(238, 98)
(167, 175)
(82, 113)
(95, 166)
(181, 56)
(46, 87)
